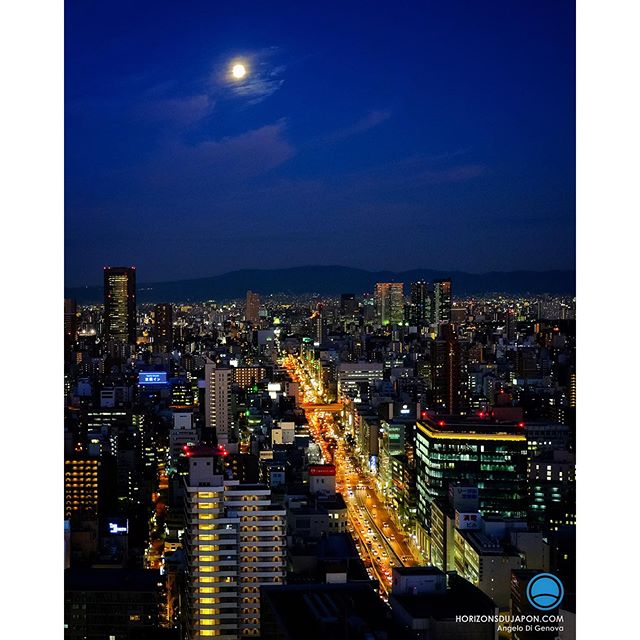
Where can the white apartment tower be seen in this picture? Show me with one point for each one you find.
(218, 412)
(235, 542)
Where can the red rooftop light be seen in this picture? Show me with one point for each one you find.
(521, 425)
(441, 423)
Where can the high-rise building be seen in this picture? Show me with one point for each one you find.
(441, 301)
(235, 543)
(163, 324)
(81, 487)
(389, 298)
(120, 304)
(218, 411)
(252, 312)
(491, 456)
(420, 304)
(70, 319)
(446, 373)
(348, 305)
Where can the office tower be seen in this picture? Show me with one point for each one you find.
(348, 305)
(420, 304)
(70, 319)
(235, 543)
(218, 412)
(252, 312)
(441, 301)
(120, 304)
(446, 373)
(491, 456)
(389, 298)
(352, 376)
(81, 487)
(163, 325)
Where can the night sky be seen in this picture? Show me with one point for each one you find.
(379, 135)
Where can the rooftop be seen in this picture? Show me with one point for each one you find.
(460, 598)
(89, 579)
(455, 427)
(320, 611)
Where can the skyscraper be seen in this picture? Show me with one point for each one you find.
(447, 365)
(420, 309)
(70, 319)
(252, 312)
(218, 413)
(120, 304)
(348, 305)
(441, 301)
(389, 302)
(163, 324)
(235, 543)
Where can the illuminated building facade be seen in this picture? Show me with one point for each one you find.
(441, 301)
(252, 313)
(492, 457)
(163, 325)
(218, 412)
(235, 543)
(120, 304)
(389, 297)
(420, 304)
(81, 487)
(351, 376)
(70, 319)
(246, 377)
(446, 373)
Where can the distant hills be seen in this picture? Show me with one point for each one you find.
(333, 280)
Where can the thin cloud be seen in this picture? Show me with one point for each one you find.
(222, 165)
(369, 121)
(182, 111)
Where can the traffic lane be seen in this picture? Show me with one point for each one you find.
(400, 547)
(381, 534)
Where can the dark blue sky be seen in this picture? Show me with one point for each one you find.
(378, 135)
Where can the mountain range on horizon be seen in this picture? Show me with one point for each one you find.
(334, 280)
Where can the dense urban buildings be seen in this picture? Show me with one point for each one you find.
(382, 464)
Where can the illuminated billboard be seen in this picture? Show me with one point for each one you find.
(119, 527)
(152, 377)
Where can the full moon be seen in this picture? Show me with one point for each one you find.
(238, 71)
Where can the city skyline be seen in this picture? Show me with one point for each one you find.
(328, 385)
(451, 136)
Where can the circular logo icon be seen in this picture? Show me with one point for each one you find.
(545, 591)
